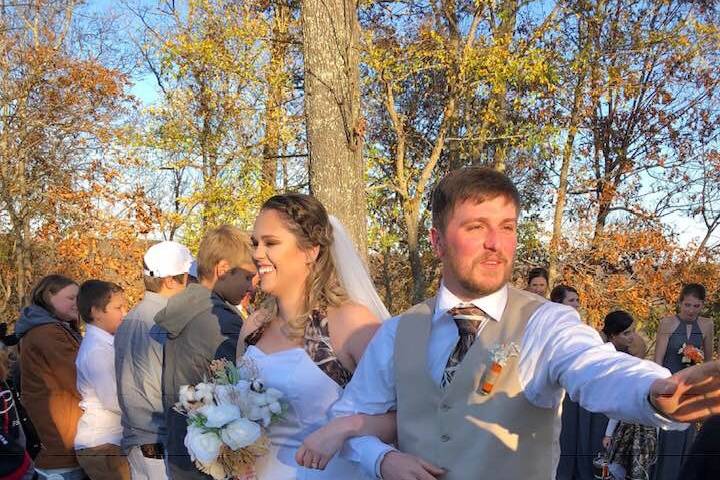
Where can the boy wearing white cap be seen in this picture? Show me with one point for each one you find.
(138, 361)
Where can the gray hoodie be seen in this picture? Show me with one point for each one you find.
(201, 327)
(33, 316)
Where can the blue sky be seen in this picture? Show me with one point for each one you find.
(144, 87)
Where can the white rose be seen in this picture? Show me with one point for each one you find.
(219, 415)
(240, 433)
(202, 446)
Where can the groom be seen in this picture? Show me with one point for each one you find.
(432, 364)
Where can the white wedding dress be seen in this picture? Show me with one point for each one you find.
(308, 395)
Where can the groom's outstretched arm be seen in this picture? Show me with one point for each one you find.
(559, 351)
(371, 391)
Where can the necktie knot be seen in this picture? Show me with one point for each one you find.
(468, 318)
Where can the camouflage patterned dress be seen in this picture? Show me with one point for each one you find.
(634, 448)
(316, 343)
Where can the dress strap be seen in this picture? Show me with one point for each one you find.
(253, 337)
(320, 349)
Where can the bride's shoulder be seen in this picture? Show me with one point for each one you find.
(351, 326)
(350, 316)
(353, 312)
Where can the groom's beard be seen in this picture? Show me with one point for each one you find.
(478, 281)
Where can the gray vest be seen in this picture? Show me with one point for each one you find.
(471, 435)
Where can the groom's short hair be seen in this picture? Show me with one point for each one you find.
(470, 183)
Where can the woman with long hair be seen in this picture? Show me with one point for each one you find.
(676, 333)
(49, 343)
(309, 336)
(631, 446)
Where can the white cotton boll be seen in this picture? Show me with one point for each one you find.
(273, 394)
(275, 407)
(186, 396)
(254, 400)
(255, 413)
(242, 386)
(204, 392)
(240, 433)
(266, 417)
(202, 446)
(219, 415)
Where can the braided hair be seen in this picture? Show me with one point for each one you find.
(306, 218)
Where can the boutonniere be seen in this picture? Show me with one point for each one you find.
(499, 356)
(691, 355)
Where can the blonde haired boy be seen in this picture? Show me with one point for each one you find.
(202, 325)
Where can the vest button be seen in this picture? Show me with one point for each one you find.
(445, 438)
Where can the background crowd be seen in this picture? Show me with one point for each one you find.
(99, 405)
(633, 451)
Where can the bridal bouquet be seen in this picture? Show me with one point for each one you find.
(691, 355)
(228, 416)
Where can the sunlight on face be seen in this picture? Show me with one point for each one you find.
(477, 247)
(572, 299)
(281, 264)
(111, 317)
(64, 302)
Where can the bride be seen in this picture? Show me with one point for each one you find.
(309, 336)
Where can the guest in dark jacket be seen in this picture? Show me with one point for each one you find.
(581, 430)
(15, 462)
(703, 462)
(202, 325)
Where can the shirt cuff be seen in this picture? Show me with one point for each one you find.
(379, 460)
(662, 421)
(657, 419)
(368, 451)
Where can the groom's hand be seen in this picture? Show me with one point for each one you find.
(403, 466)
(690, 395)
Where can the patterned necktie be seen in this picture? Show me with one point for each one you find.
(469, 320)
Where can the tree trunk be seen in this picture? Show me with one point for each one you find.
(604, 202)
(276, 95)
(711, 227)
(503, 35)
(332, 109)
(412, 225)
(564, 171)
(387, 280)
(560, 204)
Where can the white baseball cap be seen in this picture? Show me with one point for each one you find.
(166, 259)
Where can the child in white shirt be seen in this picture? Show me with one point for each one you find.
(102, 306)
